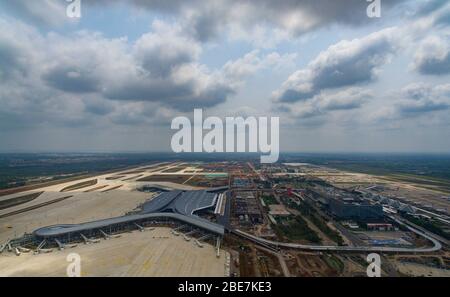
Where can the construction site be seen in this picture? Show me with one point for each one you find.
(212, 219)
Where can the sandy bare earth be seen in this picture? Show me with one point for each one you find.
(83, 207)
(413, 269)
(151, 253)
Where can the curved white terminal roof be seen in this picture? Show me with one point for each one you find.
(60, 230)
(177, 205)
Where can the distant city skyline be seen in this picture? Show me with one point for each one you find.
(113, 80)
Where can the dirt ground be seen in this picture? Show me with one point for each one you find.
(312, 264)
(107, 198)
(414, 269)
(153, 253)
(423, 265)
(78, 209)
(308, 265)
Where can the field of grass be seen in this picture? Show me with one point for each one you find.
(80, 185)
(431, 226)
(178, 179)
(334, 263)
(208, 181)
(34, 207)
(317, 220)
(269, 200)
(115, 177)
(295, 229)
(174, 169)
(17, 170)
(427, 182)
(432, 168)
(18, 200)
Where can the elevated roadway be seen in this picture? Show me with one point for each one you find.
(436, 245)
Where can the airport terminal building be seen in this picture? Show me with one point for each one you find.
(179, 208)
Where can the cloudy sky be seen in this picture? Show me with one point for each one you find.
(115, 78)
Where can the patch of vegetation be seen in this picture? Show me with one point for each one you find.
(430, 167)
(175, 178)
(269, 199)
(18, 200)
(174, 169)
(430, 225)
(114, 177)
(320, 222)
(17, 170)
(296, 229)
(334, 262)
(330, 233)
(80, 185)
(425, 182)
(428, 261)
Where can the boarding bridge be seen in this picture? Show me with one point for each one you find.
(106, 236)
(87, 240)
(218, 247)
(61, 246)
(40, 248)
(3, 247)
(198, 243)
(191, 232)
(139, 227)
(42, 244)
(23, 250)
(206, 236)
(179, 228)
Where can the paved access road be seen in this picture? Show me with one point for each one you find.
(265, 242)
